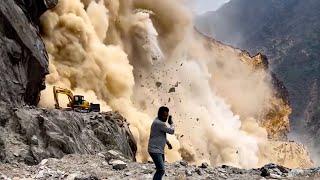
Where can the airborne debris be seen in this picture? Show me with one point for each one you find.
(171, 90)
(158, 84)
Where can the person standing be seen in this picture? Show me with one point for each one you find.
(158, 140)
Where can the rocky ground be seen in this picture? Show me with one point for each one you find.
(29, 134)
(112, 165)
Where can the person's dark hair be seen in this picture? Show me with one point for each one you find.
(161, 110)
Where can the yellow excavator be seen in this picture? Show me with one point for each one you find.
(76, 102)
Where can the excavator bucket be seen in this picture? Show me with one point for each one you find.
(94, 107)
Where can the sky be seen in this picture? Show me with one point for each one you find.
(202, 6)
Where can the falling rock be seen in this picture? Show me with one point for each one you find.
(172, 90)
(158, 84)
(118, 165)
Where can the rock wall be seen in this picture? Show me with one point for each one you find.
(24, 61)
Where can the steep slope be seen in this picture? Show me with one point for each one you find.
(288, 33)
(275, 118)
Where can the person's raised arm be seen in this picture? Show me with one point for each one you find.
(166, 129)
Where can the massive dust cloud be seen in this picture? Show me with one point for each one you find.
(133, 56)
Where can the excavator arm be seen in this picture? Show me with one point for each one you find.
(58, 90)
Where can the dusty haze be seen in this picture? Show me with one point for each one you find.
(127, 55)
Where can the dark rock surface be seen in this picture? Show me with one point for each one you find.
(23, 58)
(30, 134)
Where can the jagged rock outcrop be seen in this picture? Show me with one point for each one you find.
(31, 134)
(23, 57)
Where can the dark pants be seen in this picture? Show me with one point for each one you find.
(158, 160)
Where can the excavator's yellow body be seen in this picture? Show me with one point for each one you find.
(76, 102)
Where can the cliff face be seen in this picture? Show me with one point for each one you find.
(24, 61)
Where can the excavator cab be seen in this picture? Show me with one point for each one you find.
(78, 100)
